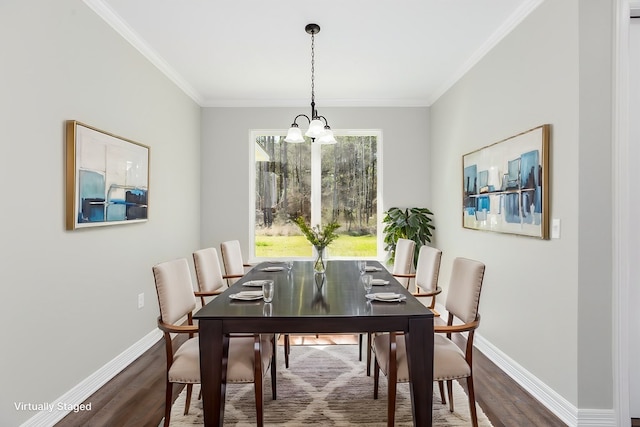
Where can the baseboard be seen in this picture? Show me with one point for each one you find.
(548, 397)
(91, 384)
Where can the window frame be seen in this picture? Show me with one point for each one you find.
(316, 187)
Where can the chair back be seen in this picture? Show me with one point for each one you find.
(232, 259)
(463, 295)
(428, 268)
(174, 289)
(404, 259)
(208, 271)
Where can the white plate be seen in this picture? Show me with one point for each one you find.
(379, 282)
(386, 297)
(247, 295)
(254, 283)
(370, 269)
(273, 269)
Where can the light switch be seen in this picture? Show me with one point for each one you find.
(555, 228)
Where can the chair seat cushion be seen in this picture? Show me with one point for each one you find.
(448, 360)
(240, 367)
(186, 360)
(186, 363)
(381, 349)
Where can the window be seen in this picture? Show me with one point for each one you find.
(321, 183)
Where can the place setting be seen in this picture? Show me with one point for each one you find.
(264, 293)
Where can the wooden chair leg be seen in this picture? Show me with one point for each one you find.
(450, 393)
(359, 347)
(376, 377)
(441, 387)
(167, 403)
(369, 342)
(187, 400)
(472, 402)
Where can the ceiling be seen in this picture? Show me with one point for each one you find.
(368, 52)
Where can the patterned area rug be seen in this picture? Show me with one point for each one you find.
(324, 386)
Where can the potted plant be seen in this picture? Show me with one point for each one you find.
(408, 223)
(320, 238)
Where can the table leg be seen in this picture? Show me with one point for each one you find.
(419, 342)
(214, 351)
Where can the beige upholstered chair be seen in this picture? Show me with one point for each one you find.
(249, 356)
(403, 262)
(234, 266)
(426, 277)
(209, 275)
(449, 361)
(402, 266)
(427, 273)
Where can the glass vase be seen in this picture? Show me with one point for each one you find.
(320, 261)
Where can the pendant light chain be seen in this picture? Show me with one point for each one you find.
(313, 61)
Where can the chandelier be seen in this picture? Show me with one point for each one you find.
(319, 130)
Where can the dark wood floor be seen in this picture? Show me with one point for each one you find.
(135, 397)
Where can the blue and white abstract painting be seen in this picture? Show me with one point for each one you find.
(505, 185)
(110, 178)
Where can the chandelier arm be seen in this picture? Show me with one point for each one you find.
(301, 115)
(326, 123)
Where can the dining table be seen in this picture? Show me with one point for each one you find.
(305, 302)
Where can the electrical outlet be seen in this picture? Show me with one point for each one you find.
(140, 300)
(555, 228)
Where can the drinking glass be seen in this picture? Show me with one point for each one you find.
(362, 265)
(367, 282)
(289, 266)
(267, 290)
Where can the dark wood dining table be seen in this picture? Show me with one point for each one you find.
(308, 303)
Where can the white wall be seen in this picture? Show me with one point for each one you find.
(554, 295)
(634, 226)
(68, 298)
(226, 148)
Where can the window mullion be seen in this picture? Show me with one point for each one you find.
(316, 184)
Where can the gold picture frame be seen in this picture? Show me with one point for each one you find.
(107, 178)
(505, 185)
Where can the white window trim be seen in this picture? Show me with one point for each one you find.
(315, 198)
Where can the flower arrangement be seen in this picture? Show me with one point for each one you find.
(318, 236)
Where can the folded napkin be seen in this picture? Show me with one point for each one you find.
(273, 269)
(249, 293)
(386, 296)
(257, 283)
(371, 268)
(379, 282)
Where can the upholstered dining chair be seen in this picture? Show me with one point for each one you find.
(427, 273)
(234, 266)
(403, 262)
(450, 362)
(209, 275)
(402, 266)
(249, 356)
(426, 283)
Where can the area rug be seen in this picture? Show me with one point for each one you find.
(324, 386)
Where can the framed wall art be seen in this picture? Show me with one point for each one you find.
(107, 178)
(506, 185)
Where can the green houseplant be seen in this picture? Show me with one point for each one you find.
(320, 238)
(409, 223)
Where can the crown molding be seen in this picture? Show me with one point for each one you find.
(324, 103)
(514, 20)
(118, 24)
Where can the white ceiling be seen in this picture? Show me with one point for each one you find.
(368, 52)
